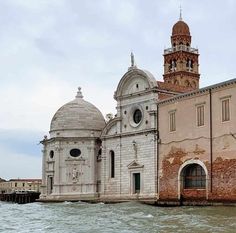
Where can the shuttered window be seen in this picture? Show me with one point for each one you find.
(172, 121)
(200, 115)
(225, 110)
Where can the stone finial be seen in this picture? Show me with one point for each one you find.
(132, 62)
(132, 59)
(79, 93)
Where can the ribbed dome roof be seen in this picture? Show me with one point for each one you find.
(77, 115)
(180, 28)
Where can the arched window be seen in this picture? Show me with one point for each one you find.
(188, 63)
(51, 154)
(194, 177)
(174, 47)
(191, 65)
(170, 65)
(99, 155)
(112, 164)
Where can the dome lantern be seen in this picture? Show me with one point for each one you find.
(79, 93)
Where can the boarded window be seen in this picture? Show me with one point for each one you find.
(172, 121)
(225, 110)
(200, 115)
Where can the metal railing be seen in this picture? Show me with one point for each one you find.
(181, 48)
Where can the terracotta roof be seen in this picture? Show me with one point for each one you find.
(180, 28)
(26, 180)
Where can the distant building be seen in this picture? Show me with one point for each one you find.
(169, 141)
(2, 180)
(20, 185)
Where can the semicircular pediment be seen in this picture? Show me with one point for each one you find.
(135, 81)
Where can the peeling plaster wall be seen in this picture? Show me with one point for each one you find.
(192, 142)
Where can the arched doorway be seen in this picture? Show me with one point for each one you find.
(193, 181)
(194, 177)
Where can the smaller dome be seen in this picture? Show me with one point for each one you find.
(180, 28)
(77, 115)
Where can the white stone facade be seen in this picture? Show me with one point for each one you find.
(70, 156)
(134, 144)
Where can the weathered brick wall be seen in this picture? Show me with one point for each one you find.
(192, 143)
(224, 179)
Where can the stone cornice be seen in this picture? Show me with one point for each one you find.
(67, 139)
(152, 130)
(199, 91)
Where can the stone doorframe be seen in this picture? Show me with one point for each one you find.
(180, 178)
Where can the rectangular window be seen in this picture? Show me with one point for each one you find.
(112, 164)
(50, 184)
(225, 110)
(15, 184)
(172, 121)
(136, 182)
(200, 115)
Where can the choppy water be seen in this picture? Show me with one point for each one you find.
(121, 218)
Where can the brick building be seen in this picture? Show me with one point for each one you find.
(13, 185)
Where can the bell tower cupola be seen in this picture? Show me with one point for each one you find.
(181, 60)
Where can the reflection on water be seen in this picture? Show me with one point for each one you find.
(121, 218)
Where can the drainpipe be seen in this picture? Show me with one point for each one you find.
(211, 143)
(157, 149)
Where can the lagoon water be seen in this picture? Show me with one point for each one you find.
(129, 217)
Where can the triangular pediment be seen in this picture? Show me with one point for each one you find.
(135, 164)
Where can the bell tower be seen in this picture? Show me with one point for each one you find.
(181, 60)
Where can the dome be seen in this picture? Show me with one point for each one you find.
(180, 28)
(77, 115)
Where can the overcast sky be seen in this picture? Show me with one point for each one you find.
(50, 47)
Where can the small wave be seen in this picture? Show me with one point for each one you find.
(67, 202)
(142, 215)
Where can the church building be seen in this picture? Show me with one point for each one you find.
(169, 142)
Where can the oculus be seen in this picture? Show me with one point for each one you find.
(137, 116)
(75, 152)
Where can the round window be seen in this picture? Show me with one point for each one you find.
(137, 117)
(51, 154)
(75, 152)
